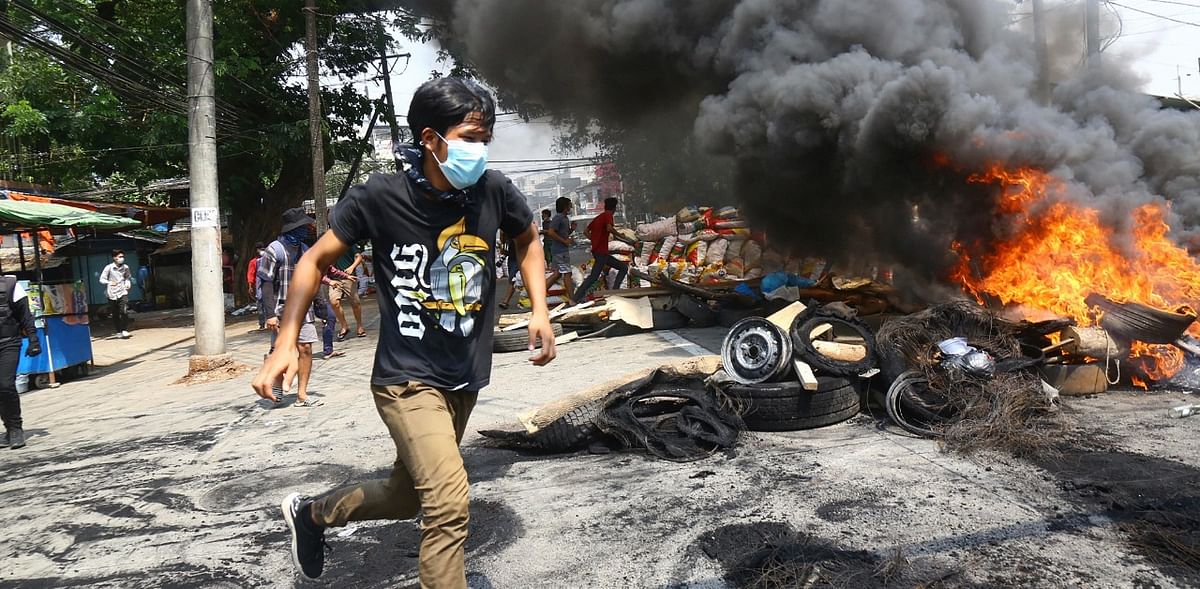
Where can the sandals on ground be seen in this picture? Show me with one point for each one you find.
(308, 403)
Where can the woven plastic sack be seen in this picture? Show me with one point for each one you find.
(716, 251)
(656, 230)
(615, 246)
(696, 253)
(688, 214)
(666, 247)
(645, 252)
(708, 235)
(752, 255)
(735, 250)
(727, 213)
(738, 224)
(735, 268)
(732, 234)
(677, 252)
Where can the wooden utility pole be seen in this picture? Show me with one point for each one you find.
(1092, 30)
(316, 138)
(1039, 47)
(208, 300)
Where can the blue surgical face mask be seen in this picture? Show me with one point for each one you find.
(465, 162)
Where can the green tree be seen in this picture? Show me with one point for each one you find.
(96, 90)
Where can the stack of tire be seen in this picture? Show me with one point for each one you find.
(758, 356)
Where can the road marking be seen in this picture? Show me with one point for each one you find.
(682, 343)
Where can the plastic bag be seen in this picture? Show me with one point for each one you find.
(727, 213)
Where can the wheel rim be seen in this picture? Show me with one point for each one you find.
(755, 351)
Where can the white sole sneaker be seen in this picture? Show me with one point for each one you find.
(288, 507)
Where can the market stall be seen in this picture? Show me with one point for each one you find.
(60, 310)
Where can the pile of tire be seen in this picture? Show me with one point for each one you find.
(759, 359)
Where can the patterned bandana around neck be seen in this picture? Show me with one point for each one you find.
(410, 161)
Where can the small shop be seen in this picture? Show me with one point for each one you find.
(60, 308)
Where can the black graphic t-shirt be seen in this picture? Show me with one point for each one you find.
(435, 274)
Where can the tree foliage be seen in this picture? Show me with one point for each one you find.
(95, 93)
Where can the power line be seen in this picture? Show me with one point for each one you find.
(1164, 17)
(1175, 2)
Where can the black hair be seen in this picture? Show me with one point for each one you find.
(259, 245)
(445, 102)
(118, 253)
(545, 212)
(610, 203)
(562, 204)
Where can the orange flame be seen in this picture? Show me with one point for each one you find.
(1056, 252)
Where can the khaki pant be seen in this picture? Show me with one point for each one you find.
(344, 289)
(427, 425)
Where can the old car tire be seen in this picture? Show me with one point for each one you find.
(668, 319)
(816, 316)
(786, 406)
(517, 340)
(700, 314)
(572, 431)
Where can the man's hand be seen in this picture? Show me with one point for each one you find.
(34, 348)
(273, 323)
(540, 328)
(283, 363)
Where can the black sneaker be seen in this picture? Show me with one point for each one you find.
(308, 539)
(16, 438)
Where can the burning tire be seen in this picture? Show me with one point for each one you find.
(816, 316)
(756, 351)
(1142, 323)
(517, 340)
(786, 406)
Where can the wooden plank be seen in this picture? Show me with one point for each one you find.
(808, 380)
(558, 313)
(783, 318)
(838, 351)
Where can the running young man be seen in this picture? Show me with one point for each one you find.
(600, 230)
(432, 228)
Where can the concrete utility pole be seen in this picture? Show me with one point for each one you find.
(208, 300)
(385, 70)
(1092, 30)
(1039, 47)
(316, 139)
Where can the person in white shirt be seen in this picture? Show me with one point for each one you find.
(117, 280)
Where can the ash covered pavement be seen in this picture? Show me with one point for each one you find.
(130, 481)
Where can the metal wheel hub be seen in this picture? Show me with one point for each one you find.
(756, 351)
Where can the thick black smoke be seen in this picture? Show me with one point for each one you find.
(835, 111)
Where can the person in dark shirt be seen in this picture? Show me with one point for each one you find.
(16, 320)
(599, 231)
(558, 232)
(432, 227)
(546, 240)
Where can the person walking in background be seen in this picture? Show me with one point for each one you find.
(275, 276)
(324, 311)
(599, 231)
(545, 240)
(346, 289)
(15, 319)
(512, 267)
(363, 273)
(254, 287)
(558, 231)
(117, 280)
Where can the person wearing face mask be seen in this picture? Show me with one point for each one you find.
(276, 269)
(117, 280)
(433, 226)
(15, 320)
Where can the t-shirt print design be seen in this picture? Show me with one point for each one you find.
(447, 290)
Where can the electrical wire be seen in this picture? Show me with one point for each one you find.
(1148, 13)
